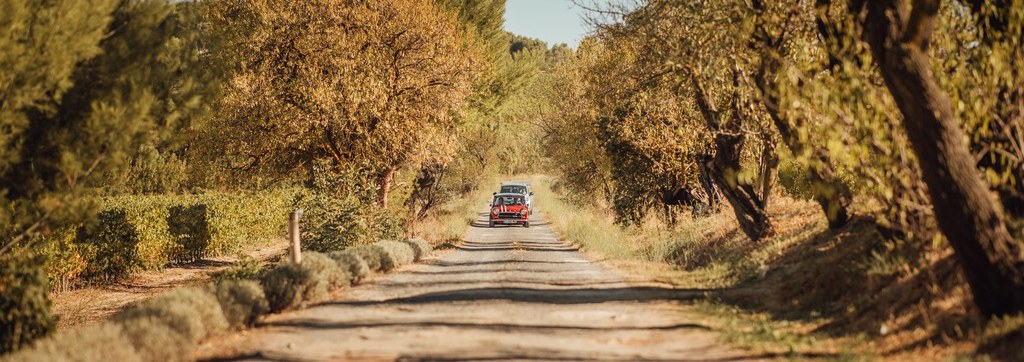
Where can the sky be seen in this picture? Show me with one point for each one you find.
(553, 21)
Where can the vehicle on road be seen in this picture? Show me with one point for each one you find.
(509, 209)
(518, 188)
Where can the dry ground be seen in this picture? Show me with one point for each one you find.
(97, 303)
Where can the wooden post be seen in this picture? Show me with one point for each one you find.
(293, 234)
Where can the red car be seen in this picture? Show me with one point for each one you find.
(509, 209)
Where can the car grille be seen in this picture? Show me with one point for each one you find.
(509, 215)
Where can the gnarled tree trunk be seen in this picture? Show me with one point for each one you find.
(749, 207)
(965, 210)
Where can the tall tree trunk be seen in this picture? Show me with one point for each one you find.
(965, 210)
(386, 179)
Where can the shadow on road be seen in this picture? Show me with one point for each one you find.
(518, 245)
(550, 296)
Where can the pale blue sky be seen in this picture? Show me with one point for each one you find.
(553, 21)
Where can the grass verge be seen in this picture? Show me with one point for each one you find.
(807, 292)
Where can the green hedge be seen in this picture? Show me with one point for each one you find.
(134, 233)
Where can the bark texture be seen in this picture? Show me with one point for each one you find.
(750, 208)
(967, 213)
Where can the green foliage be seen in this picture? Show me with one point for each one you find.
(24, 307)
(65, 261)
(341, 210)
(85, 83)
(189, 227)
(110, 246)
(134, 233)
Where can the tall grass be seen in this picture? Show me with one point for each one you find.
(710, 246)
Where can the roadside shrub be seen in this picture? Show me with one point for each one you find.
(341, 210)
(421, 248)
(24, 307)
(396, 254)
(357, 268)
(242, 301)
(373, 255)
(332, 223)
(155, 339)
(103, 342)
(326, 272)
(194, 313)
(284, 286)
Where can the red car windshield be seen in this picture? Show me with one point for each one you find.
(508, 200)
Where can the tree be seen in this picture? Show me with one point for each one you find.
(85, 83)
(899, 33)
(373, 84)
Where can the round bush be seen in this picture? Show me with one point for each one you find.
(242, 301)
(396, 254)
(357, 268)
(194, 313)
(103, 342)
(372, 255)
(420, 247)
(284, 286)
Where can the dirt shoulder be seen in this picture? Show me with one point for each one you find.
(92, 304)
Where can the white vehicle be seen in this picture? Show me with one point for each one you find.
(518, 188)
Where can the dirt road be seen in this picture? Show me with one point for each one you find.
(506, 293)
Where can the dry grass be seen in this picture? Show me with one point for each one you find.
(444, 226)
(806, 291)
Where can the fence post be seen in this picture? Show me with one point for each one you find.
(293, 234)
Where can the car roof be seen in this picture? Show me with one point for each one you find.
(514, 184)
(508, 194)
